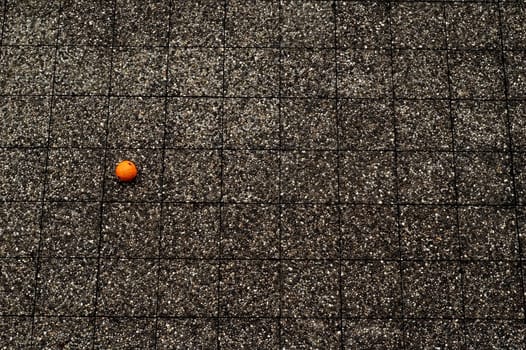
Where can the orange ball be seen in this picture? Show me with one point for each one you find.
(126, 171)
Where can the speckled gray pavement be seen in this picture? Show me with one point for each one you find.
(313, 174)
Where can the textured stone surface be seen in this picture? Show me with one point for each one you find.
(423, 125)
(418, 25)
(75, 174)
(474, 25)
(19, 229)
(26, 69)
(250, 231)
(31, 22)
(82, 70)
(429, 232)
(322, 174)
(17, 280)
(127, 287)
(369, 232)
(24, 121)
(79, 122)
(63, 332)
(249, 288)
(66, 287)
(187, 288)
(136, 123)
(22, 173)
(365, 124)
(196, 122)
(130, 230)
(70, 229)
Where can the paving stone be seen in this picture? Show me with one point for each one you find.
(254, 25)
(79, 122)
(249, 288)
(514, 24)
(307, 23)
(141, 23)
(251, 123)
(130, 230)
(192, 175)
(515, 72)
(309, 333)
(312, 174)
(31, 23)
(472, 25)
(173, 333)
(363, 24)
(369, 232)
(423, 124)
(15, 332)
(197, 23)
(310, 232)
(137, 333)
(66, 287)
(139, 71)
(196, 71)
(310, 289)
(364, 73)
(371, 289)
(488, 233)
(252, 333)
(21, 175)
(367, 177)
(418, 25)
(127, 288)
(480, 125)
(252, 72)
(308, 73)
(24, 121)
(136, 123)
(519, 162)
(308, 124)
(251, 176)
(476, 74)
(517, 116)
(63, 332)
(502, 334)
(484, 178)
(365, 124)
(85, 22)
(309, 176)
(429, 232)
(386, 334)
(426, 177)
(420, 74)
(82, 70)
(26, 70)
(432, 289)
(70, 229)
(66, 182)
(17, 277)
(195, 122)
(19, 229)
(420, 334)
(187, 288)
(250, 231)
(492, 290)
(190, 231)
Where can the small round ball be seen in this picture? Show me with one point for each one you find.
(126, 171)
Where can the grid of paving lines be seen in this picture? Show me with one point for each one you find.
(313, 174)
